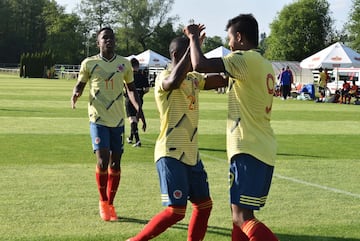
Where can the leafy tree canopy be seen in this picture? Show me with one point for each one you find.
(301, 28)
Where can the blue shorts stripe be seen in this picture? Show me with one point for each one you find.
(250, 181)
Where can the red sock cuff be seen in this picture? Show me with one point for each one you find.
(205, 204)
(179, 210)
(249, 225)
(257, 231)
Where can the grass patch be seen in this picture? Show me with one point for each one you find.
(48, 187)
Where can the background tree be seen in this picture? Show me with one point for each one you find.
(141, 19)
(211, 43)
(22, 28)
(96, 13)
(161, 39)
(64, 35)
(38, 26)
(262, 43)
(353, 26)
(301, 29)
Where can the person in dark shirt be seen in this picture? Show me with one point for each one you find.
(142, 87)
(285, 81)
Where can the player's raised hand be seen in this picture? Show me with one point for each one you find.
(194, 30)
(202, 37)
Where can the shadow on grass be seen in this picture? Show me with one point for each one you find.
(19, 110)
(289, 237)
(300, 155)
(211, 229)
(211, 149)
(226, 232)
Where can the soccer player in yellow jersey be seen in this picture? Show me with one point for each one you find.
(107, 73)
(181, 171)
(251, 145)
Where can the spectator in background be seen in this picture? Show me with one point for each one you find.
(344, 91)
(142, 87)
(285, 82)
(353, 91)
(324, 78)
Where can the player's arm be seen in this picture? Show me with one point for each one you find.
(214, 81)
(135, 100)
(146, 87)
(178, 73)
(77, 92)
(199, 62)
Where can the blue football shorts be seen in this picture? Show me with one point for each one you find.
(107, 137)
(180, 182)
(250, 181)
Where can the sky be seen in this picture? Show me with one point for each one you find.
(215, 16)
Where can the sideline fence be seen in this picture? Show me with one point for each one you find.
(15, 71)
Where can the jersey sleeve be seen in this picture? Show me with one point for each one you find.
(83, 72)
(128, 75)
(235, 65)
(159, 79)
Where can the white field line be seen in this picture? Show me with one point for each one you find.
(330, 189)
(317, 186)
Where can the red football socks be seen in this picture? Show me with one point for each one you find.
(160, 222)
(237, 234)
(113, 184)
(102, 180)
(257, 231)
(199, 220)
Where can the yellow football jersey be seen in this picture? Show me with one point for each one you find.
(251, 89)
(106, 79)
(179, 117)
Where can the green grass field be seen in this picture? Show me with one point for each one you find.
(47, 182)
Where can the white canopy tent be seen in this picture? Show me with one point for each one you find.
(130, 57)
(336, 55)
(333, 57)
(150, 59)
(218, 52)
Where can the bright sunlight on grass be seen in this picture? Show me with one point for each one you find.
(48, 189)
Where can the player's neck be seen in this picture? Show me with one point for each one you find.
(107, 55)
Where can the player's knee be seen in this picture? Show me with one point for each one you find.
(103, 165)
(177, 212)
(240, 215)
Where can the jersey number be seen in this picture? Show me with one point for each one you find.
(192, 102)
(270, 83)
(111, 84)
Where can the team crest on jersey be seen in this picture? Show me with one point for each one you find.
(121, 68)
(177, 194)
(97, 140)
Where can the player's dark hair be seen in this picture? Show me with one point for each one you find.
(103, 29)
(246, 25)
(179, 44)
(134, 62)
